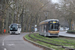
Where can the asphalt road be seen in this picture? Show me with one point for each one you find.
(65, 34)
(16, 42)
(1, 40)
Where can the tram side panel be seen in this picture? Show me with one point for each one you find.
(46, 31)
(43, 30)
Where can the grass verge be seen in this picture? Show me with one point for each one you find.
(60, 41)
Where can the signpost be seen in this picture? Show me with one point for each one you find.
(35, 28)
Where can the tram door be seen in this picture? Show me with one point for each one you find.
(45, 30)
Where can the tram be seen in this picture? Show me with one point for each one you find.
(15, 28)
(49, 27)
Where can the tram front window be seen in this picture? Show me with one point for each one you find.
(54, 27)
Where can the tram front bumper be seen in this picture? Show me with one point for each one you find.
(51, 34)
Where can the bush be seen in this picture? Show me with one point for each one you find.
(71, 31)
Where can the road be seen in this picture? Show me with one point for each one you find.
(16, 42)
(64, 33)
(1, 41)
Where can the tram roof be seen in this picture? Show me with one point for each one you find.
(46, 21)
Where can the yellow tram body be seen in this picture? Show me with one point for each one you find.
(49, 27)
(54, 32)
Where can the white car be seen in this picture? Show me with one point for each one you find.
(15, 28)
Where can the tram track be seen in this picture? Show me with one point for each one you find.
(53, 40)
(49, 42)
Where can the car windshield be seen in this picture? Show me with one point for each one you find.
(13, 27)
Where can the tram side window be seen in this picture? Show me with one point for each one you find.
(50, 26)
(56, 26)
(44, 27)
(47, 26)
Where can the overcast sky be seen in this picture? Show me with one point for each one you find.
(55, 1)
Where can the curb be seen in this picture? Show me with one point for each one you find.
(66, 36)
(46, 48)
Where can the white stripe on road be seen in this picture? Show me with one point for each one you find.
(11, 44)
(5, 49)
(4, 40)
(3, 44)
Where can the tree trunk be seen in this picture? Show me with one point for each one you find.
(12, 16)
(70, 24)
(7, 19)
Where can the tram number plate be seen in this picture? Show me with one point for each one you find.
(54, 22)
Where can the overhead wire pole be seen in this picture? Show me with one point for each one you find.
(40, 9)
(46, 14)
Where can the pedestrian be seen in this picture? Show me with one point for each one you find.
(4, 30)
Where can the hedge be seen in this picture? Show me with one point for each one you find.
(71, 31)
